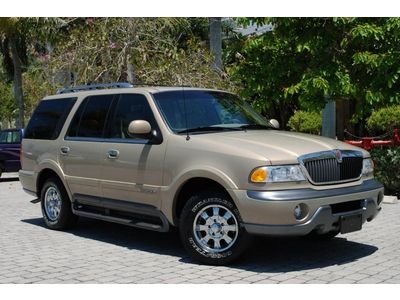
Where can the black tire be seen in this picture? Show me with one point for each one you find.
(65, 218)
(313, 236)
(204, 202)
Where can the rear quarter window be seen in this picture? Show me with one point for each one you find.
(48, 119)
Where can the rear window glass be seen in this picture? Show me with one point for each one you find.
(90, 118)
(48, 119)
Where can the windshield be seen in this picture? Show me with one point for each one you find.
(206, 110)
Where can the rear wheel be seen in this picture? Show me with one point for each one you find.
(211, 229)
(56, 205)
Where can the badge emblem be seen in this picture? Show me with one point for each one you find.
(338, 156)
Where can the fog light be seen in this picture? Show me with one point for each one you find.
(300, 211)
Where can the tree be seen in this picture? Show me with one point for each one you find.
(17, 37)
(161, 51)
(302, 60)
(13, 49)
(216, 41)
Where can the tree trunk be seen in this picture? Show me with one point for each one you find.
(20, 122)
(329, 118)
(216, 41)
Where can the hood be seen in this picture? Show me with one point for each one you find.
(279, 147)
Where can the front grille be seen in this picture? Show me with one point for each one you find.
(326, 168)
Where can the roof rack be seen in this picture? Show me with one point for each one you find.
(94, 87)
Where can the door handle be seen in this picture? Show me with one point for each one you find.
(112, 153)
(64, 150)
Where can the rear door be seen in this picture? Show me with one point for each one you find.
(80, 152)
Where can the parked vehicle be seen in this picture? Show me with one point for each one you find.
(10, 146)
(198, 159)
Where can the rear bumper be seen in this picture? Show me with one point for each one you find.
(272, 212)
(27, 180)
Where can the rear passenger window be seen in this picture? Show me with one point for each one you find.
(48, 119)
(90, 118)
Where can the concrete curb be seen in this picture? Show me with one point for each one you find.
(390, 200)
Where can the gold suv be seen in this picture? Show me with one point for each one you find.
(198, 159)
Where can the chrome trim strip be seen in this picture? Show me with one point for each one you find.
(307, 193)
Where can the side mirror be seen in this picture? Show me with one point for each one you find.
(139, 127)
(274, 123)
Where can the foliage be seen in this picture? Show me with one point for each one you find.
(384, 119)
(306, 121)
(159, 51)
(304, 61)
(17, 35)
(7, 105)
(64, 51)
(387, 166)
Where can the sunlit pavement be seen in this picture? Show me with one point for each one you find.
(99, 252)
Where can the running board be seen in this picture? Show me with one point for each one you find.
(122, 212)
(129, 222)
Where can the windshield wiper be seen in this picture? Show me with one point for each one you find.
(256, 126)
(207, 128)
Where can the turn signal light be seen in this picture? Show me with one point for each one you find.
(259, 175)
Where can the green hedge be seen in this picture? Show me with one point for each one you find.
(387, 168)
(384, 119)
(306, 121)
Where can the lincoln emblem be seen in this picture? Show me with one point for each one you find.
(338, 156)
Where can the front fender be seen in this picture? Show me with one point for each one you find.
(169, 193)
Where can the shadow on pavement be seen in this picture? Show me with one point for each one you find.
(9, 179)
(264, 256)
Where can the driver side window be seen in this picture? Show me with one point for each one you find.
(130, 107)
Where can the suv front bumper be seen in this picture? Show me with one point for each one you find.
(272, 212)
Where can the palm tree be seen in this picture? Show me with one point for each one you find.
(13, 49)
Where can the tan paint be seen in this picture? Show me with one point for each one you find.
(153, 174)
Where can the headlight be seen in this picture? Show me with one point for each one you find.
(277, 174)
(368, 167)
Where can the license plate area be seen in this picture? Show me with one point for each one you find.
(350, 223)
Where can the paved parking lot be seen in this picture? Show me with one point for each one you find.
(99, 252)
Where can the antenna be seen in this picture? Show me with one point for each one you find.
(185, 113)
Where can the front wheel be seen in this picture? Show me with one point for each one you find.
(211, 229)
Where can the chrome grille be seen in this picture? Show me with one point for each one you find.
(326, 168)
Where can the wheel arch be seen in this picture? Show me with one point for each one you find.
(47, 171)
(192, 186)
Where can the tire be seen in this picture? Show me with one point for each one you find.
(212, 230)
(322, 236)
(56, 205)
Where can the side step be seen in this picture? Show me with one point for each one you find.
(122, 212)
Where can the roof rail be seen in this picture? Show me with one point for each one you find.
(94, 87)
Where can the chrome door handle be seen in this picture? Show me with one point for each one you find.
(64, 150)
(112, 153)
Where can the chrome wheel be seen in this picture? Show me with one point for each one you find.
(52, 203)
(215, 228)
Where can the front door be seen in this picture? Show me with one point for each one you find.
(133, 166)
